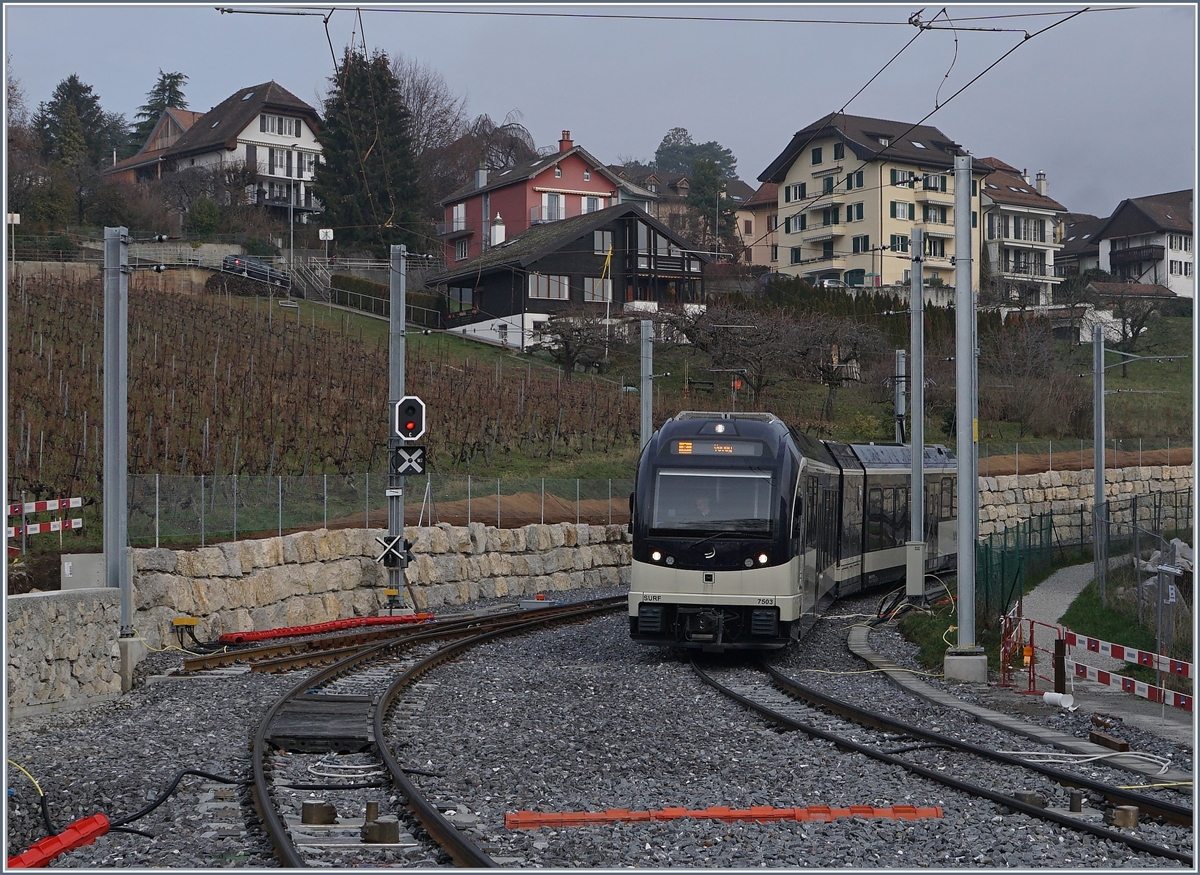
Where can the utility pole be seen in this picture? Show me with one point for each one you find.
(967, 661)
(116, 419)
(914, 588)
(1098, 512)
(647, 385)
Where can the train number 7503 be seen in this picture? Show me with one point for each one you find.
(766, 601)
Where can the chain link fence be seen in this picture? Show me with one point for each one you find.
(1035, 456)
(1129, 529)
(165, 509)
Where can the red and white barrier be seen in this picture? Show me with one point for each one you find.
(43, 506)
(1129, 685)
(39, 528)
(1130, 654)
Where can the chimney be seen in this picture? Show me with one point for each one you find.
(1042, 187)
(1025, 176)
(481, 176)
(565, 143)
(497, 230)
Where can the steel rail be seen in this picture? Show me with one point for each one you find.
(273, 823)
(325, 641)
(462, 851)
(1168, 811)
(933, 775)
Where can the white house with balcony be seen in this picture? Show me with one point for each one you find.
(1149, 240)
(1019, 219)
(267, 128)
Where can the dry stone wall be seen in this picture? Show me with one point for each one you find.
(62, 646)
(1007, 500)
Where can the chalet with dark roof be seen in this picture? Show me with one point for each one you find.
(549, 188)
(1080, 249)
(147, 163)
(851, 188)
(265, 126)
(608, 260)
(1149, 240)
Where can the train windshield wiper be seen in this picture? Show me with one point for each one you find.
(737, 527)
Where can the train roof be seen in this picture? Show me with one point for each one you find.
(900, 455)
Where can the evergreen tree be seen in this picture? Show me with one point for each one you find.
(102, 132)
(368, 178)
(708, 206)
(678, 154)
(167, 92)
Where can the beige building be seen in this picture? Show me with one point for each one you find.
(1019, 221)
(851, 189)
(756, 220)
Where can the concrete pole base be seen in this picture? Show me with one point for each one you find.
(132, 651)
(966, 666)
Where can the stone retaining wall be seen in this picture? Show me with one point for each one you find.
(62, 646)
(1006, 500)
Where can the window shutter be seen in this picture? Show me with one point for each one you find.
(893, 205)
(262, 124)
(893, 182)
(849, 181)
(787, 194)
(803, 221)
(803, 190)
(943, 183)
(252, 156)
(858, 179)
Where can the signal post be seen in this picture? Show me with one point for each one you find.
(406, 423)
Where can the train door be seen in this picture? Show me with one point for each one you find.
(933, 513)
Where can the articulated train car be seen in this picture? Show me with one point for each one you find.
(742, 527)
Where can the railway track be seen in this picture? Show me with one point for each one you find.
(929, 754)
(322, 744)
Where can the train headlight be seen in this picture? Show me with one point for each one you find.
(656, 556)
(762, 558)
(670, 560)
(749, 563)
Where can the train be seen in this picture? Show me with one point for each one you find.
(744, 528)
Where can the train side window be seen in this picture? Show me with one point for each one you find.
(902, 515)
(798, 512)
(889, 518)
(947, 498)
(810, 539)
(874, 518)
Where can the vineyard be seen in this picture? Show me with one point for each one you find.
(220, 384)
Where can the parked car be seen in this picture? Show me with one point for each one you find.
(256, 269)
(831, 283)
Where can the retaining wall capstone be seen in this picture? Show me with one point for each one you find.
(63, 650)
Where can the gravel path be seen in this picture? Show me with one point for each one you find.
(635, 730)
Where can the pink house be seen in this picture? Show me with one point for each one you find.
(508, 202)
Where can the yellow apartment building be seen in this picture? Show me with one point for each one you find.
(852, 188)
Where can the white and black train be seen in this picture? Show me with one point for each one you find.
(742, 527)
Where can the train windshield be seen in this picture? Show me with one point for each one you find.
(736, 501)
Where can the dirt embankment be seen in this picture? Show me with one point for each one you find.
(995, 466)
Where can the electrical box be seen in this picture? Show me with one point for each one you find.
(81, 570)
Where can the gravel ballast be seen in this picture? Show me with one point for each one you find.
(571, 719)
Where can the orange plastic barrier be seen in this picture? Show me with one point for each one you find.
(755, 814)
(81, 832)
(321, 628)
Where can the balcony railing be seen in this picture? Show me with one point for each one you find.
(1136, 253)
(1021, 269)
(456, 226)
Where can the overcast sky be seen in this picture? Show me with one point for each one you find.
(1105, 103)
